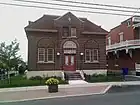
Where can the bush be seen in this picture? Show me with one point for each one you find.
(52, 81)
(36, 78)
(102, 78)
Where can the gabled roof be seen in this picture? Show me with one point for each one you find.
(47, 22)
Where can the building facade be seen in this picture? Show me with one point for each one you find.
(65, 43)
(123, 46)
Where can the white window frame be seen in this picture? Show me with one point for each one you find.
(73, 30)
(52, 55)
(89, 55)
(39, 49)
(97, 55)
(109, 40)
(121, 36)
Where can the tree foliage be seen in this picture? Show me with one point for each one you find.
(9, 57)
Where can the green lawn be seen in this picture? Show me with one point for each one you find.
(20, 81)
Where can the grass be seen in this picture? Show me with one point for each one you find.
(20, 81)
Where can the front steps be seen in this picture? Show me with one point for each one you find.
(74, 77)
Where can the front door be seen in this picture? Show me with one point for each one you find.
(69, 63)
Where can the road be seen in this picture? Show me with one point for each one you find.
(121, 98)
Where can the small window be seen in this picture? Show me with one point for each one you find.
(50, 55)
(128, 23)
(73, 32)
(109, 40)
(121, 36)
(65, 31)
(41, 55)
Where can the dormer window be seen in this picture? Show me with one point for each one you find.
(73, 32)
(128, 23)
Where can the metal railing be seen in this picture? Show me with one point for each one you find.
(122, 44)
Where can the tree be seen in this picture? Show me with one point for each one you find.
(9, 57)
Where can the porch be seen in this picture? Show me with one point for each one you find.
(124, 55)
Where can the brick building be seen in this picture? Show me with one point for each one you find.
(123, 46)
(58, 44)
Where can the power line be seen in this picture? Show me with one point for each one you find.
(106, 5)
(42, 7)
(77, 6)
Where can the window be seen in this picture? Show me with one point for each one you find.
(87, 55)
(41, 55)
(109, 40)
(121, 36)
(73, 32)
(50, 55)
(65, 31)
(91, 55)
(66, 60)
(128, 23)
(95, 55)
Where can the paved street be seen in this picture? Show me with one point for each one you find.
(125, 98)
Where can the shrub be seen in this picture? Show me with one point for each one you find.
(52, 81)
(36, 78)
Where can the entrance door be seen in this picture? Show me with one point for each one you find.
(69, 63)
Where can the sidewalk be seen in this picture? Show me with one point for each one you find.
(43, 93)
(69, 86)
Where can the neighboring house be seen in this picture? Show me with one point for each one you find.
(65, 43)
(123, 45)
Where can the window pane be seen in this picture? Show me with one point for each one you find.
(65, 31)
(41, 54)
(87, 55)
(73, 31)
(50, 55)
(72, 60)
(95, 55)
(66, 60)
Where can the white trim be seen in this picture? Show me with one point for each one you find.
(42, 54)
(52, 55)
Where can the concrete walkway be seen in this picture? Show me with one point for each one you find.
(43, 93)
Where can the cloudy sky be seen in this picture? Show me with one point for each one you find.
(13, 19)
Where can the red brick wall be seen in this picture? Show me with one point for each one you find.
(128, 32)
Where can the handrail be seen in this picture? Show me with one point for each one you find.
(123, 44)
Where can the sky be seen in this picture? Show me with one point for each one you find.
(13, 19)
